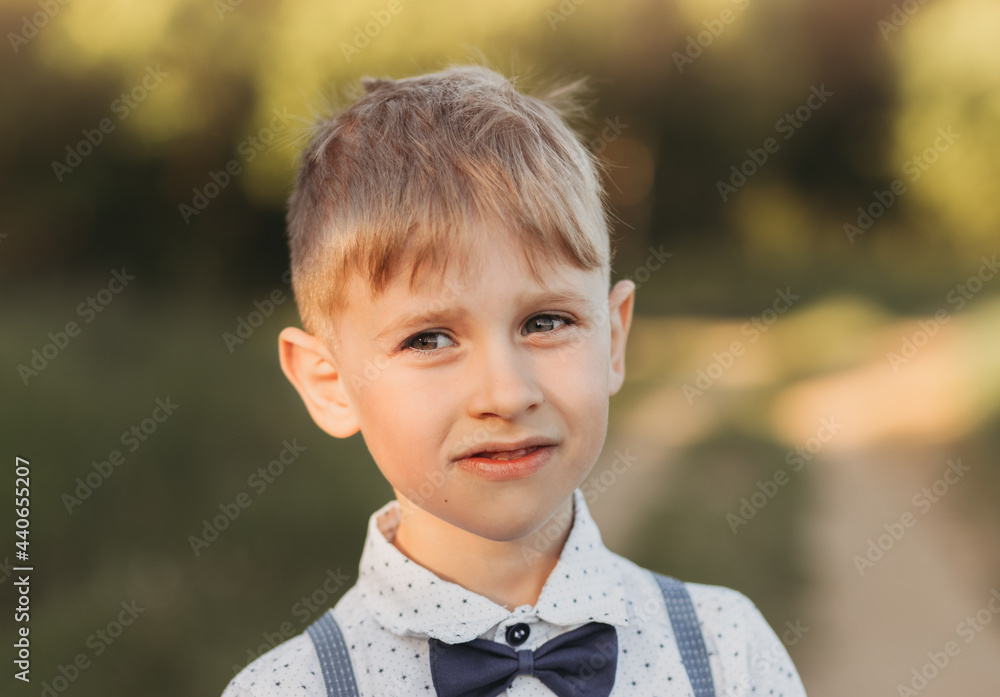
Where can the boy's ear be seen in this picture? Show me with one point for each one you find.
(312, 369)
(620, 303)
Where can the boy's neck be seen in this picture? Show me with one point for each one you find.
(500, 571)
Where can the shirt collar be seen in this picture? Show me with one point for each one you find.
(410, 600)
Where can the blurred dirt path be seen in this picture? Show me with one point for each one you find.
(638, 460)
(870, 631)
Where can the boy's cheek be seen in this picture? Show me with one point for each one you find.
(582, 367)
(586, 338)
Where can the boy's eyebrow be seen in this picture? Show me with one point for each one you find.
(435, 316)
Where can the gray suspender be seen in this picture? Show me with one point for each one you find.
(688, 634)
(333, 658)
(339, 675)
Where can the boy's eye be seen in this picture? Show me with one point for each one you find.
(546, 323)
(427, 342)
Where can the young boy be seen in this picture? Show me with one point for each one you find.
(451, 263)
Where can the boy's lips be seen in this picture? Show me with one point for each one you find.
(507, 465)
(507, 454)
(506, 451)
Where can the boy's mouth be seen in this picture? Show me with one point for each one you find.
(507, 454)
(502, 465)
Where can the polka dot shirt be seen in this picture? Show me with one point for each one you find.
(396, 605)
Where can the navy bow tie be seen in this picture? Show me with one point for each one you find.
(580, 663)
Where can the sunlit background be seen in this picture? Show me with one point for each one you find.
(806, 193)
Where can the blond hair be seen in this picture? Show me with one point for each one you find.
(412, 164)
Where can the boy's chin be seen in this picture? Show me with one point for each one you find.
(505, 521)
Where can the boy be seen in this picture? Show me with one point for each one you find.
(451, 264)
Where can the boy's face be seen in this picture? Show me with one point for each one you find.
(456, 367)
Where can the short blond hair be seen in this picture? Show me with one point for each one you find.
(405, 170)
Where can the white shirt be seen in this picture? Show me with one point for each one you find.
(387, 617)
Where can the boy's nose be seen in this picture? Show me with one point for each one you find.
(502, 382)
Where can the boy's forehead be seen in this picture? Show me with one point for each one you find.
(467, 275)
(439, 290)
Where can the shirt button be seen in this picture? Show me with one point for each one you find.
(517, 634)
